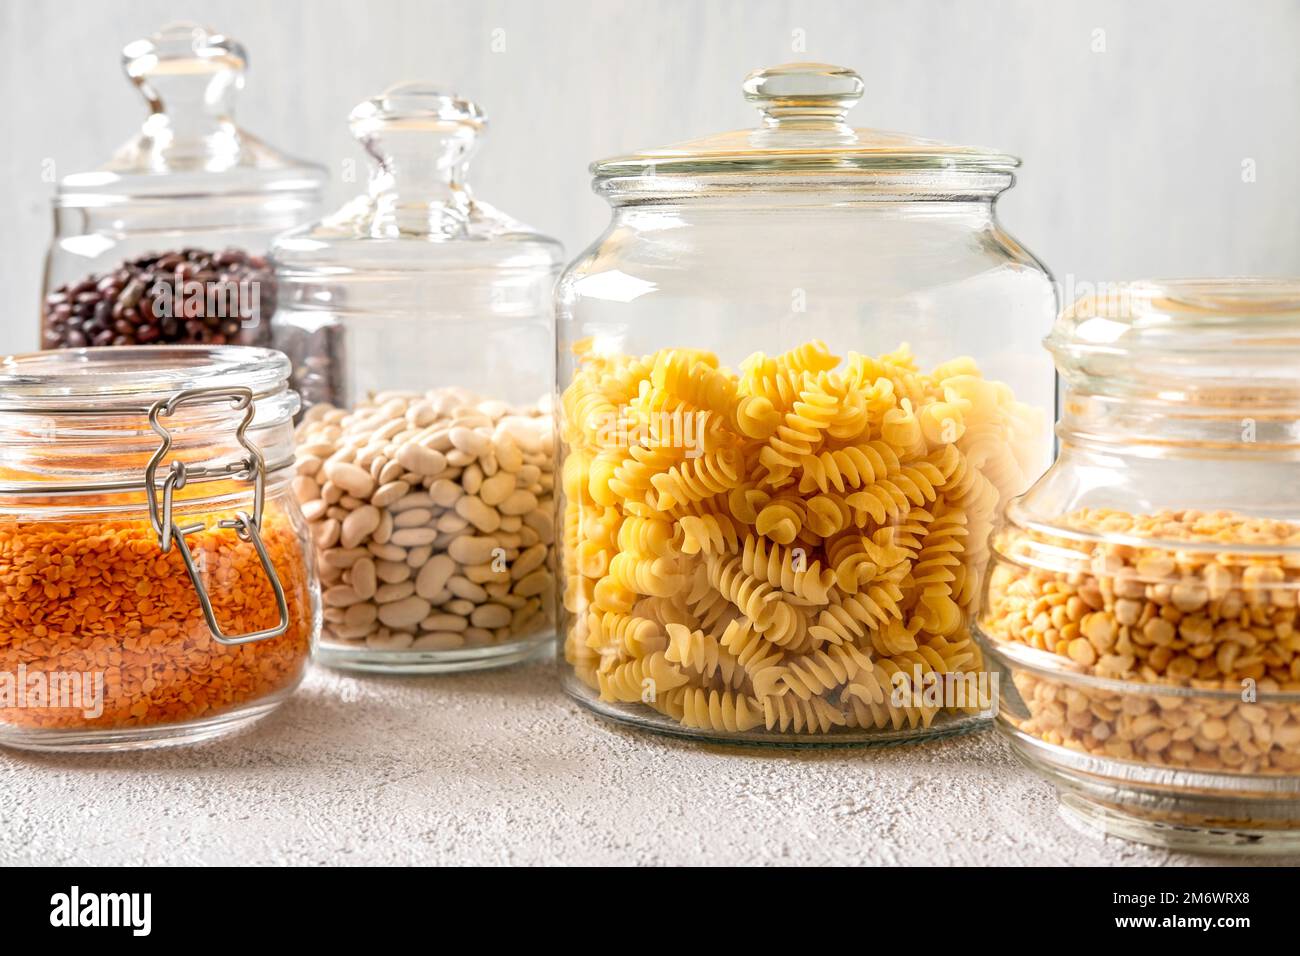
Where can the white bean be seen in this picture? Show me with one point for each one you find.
(358, 525)
(433, 576)
(444, 622)
(362, 577)
(351, 478)
(406, 613)
(438, 641)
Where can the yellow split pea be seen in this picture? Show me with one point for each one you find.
(1204, 618)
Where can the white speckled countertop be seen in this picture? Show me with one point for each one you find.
(501, 767)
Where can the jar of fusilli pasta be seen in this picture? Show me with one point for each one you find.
(798, 374)
(1142, 604)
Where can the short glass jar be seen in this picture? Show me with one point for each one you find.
(799, 371)
(156, 577)
(1142, 606)
(165, 244)
(420, 323)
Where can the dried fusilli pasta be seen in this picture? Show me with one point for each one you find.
(786, 547)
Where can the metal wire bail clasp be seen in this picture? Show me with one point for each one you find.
(246, 527)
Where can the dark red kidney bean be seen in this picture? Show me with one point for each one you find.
(185, 296)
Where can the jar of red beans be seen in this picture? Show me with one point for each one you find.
(164, 243)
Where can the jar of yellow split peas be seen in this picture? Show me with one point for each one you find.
(1143, 607)
(798, 375)
(157, 584)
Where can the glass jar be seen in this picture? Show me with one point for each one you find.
(165, 244)
(156, 578)
(1142, 607)
(798, 373)
(419, 320)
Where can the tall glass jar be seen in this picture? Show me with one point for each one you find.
(799, 372)
(419, 320)
(156, 577)
(165, 243)
(1142, 607)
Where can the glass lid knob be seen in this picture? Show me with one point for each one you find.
(801, 94)
(421, 140)
(187, 70)
(413, 120)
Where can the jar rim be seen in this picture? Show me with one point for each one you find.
(129, 376)
(97, 421)
(866, 159)
(1055, 545)
(1050, 666)
(1211, 315)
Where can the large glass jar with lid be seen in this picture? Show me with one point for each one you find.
(799, 373)
(1142, 605)
(166, 242)
(156, 575)
(419, 320)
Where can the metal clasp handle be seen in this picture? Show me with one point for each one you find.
(246, 527)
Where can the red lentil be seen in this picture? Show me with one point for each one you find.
(99, 596)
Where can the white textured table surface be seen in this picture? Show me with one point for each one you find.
(503, 768)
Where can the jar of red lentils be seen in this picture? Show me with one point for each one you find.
(1142, 604)
(156, 579)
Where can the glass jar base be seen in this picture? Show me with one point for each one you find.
(1099, 820)
(455, 661)
(1174, 808)
(643, 718)
(140, 738)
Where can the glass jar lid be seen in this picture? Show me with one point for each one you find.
(127, 377)
(805, 110)
(418, 212)
(189, 145)
(1225, 330)
(89, 422)
(1198, 365)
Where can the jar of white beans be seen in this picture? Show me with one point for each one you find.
(420, 327)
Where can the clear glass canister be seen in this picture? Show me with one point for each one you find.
(1142, 606)
(420, 322)
(165, 244)
(799, 372)
(156, 579)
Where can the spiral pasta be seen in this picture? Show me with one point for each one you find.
(785, 548)
(702, 654)
(709, 534)
(713, 709)
(787, 570)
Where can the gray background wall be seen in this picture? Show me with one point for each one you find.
(1159, 137)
